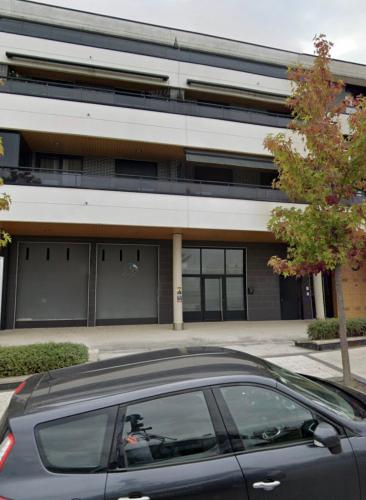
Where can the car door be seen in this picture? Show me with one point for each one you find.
(272, 434)
(173, 447)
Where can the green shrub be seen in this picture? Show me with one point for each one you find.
(324, 329)
(36, 358)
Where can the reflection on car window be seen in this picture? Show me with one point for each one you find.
(170, 429)
(265, 417)
(330, 398)
(78, 443)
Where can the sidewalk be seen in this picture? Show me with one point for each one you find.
(272, 340)
(144, 337)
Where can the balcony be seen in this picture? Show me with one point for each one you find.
(26, 176)
(112, 97)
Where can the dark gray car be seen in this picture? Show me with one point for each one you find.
(197, 423)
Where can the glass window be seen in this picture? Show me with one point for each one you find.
(265, 417)
(49, 162)
(171, 429)
(191, 294)
(235, 294)
(213, 294)
(234, 261)
(213, 260)
(76, 444)
(331, 398)
(191, 261)
(72, 164)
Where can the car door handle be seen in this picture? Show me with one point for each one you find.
(134, 498)
(266, 486)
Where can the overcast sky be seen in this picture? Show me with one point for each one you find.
(288, 24)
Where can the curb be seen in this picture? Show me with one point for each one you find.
(11, 383)
(329, 345)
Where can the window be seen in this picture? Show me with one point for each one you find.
(72, 164)
(213, 174)
(168, 430)
(77, 444)
(265, 417)
(53, 162)
(191, 260)
(48, 162)
(136, 168)
(213, 261)
(191, 294)
(234, 261)
(327, 396)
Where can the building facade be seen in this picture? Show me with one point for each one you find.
(140, 186)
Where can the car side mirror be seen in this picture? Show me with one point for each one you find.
(326, 436)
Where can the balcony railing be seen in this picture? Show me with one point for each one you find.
(159, 185)
(113, 97)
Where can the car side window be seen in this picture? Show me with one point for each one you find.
(77, 444)
(168, 430)
(265, 417)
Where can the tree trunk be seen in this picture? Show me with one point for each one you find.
(347, 377)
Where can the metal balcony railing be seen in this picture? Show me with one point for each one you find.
(113, 97)
(159, 185)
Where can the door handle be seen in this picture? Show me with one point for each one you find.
(134, 498)
(266, 486)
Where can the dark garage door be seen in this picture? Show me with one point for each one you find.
(52, 283)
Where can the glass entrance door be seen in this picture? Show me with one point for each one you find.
(214, 284)
(213, 299)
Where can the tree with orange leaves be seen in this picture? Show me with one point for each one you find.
(321, 164)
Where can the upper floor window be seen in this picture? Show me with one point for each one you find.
(136, 168)
(53, 162)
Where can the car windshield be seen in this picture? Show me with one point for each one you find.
(326, 396)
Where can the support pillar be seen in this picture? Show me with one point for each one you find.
(318, 295)
(177, 283)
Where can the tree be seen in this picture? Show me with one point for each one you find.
(323, 165)
(4, 205)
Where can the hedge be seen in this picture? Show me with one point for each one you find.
(36, 358)
(324, 329)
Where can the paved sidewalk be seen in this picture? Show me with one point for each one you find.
(145, 337)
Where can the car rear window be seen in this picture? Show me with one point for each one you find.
(77, 444)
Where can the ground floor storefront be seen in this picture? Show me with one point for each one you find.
(66, 281)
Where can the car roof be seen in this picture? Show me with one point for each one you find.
(141, 371)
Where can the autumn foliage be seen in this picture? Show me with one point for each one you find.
(322, 163)
(4, 205)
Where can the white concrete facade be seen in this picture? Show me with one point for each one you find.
(80, 206)
(39, 114)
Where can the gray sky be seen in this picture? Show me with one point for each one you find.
(288, 24)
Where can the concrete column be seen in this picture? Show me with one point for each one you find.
(177, 283)
(318, 295)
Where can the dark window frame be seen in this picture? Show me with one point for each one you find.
(117, 461)
(107, 445)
